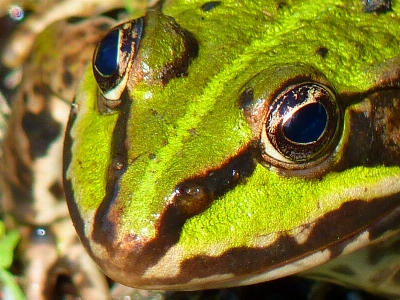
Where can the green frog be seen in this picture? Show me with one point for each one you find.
(225, 143)
(198, 162)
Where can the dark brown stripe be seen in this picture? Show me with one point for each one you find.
(214, 183)
(104, 222)
(179, 67)
(374, 132)
(209, 6)
(243, 261)
(194, 195)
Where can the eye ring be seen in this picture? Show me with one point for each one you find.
(301, 126)
(113, 58)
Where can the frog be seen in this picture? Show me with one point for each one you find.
(226, 143)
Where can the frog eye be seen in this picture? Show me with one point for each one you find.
(112, 59)
(302, 123)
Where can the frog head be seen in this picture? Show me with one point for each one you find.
(226, 143)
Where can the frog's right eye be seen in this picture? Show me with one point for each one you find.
(113, 57)
(302, 123)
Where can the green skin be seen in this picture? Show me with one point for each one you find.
(181, 130)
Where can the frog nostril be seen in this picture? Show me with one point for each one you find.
(191, 199)
(194, 195)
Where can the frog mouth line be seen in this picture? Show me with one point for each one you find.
(285, 248)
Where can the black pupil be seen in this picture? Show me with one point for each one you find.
(106, 60)
(307, 124)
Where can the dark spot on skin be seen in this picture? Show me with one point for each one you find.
(79, 35)
(41, 130)
(115, 14)
(206, 7)
(179, 67)
(344, 270)
(24, 174)
(67, 78)
(57, 190)
(246, 98)
(377, 6)
(322, 51)
(102, 27)
(281, 5)
(390, 74)
(41, 89)
(192, 131)
(26, 31)
(75, 20)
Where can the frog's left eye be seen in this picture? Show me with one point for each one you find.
(112, 59)
(302, 123)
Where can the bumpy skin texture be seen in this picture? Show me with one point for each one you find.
(181, 192)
